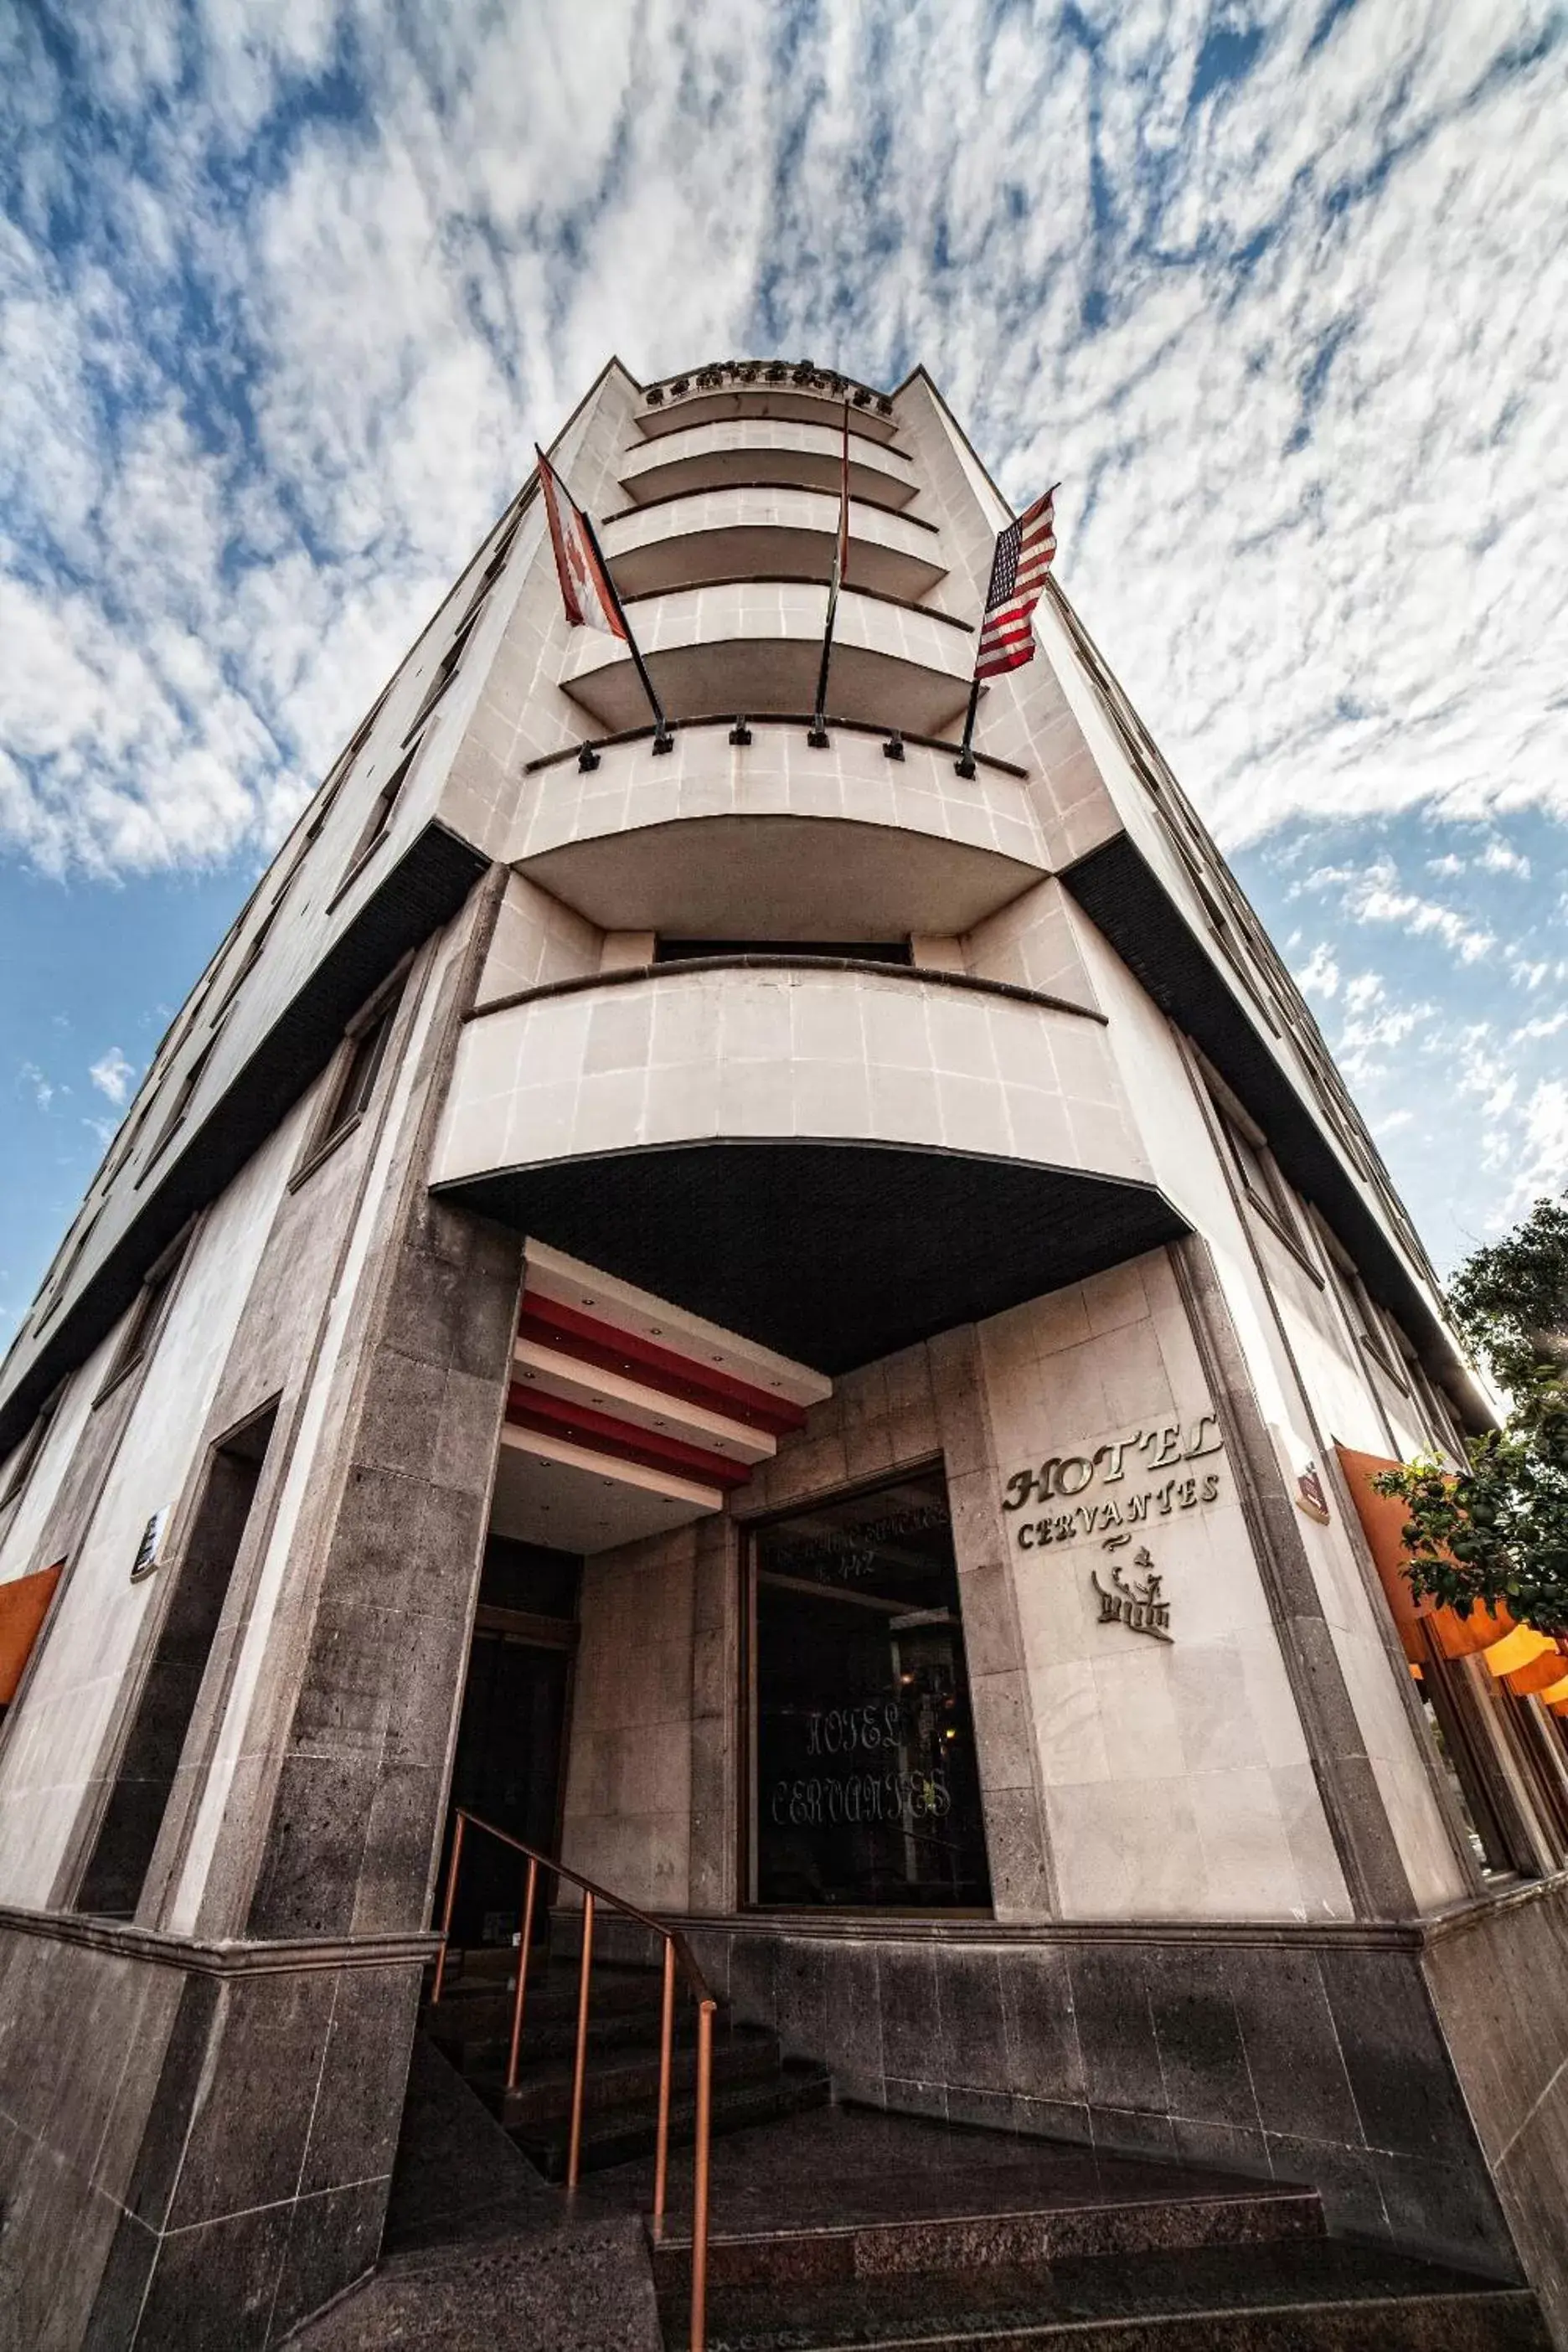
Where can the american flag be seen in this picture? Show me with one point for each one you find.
(1018, 568)
(586, 589)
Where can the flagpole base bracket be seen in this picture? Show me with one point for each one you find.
(893, 749)
(817, 736)
(740, 732)
(964, 767)
(587, 759)
(663, 741)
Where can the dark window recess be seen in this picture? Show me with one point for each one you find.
(450, 662)
(147, 1314)
(851, 950)
(31, 1447)
(359, 1069)
(385, 801)
(530, 1576)
(867, 1791)
(122, 1854)
(183, 1095)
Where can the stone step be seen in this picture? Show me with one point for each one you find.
(622, 2135)
(1302, 2295)
(479, 2043)
(551, 1994)
(626, 2077)
(1016, 2237)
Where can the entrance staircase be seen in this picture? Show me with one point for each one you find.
(753, 2081)
(821, 2229)
(834, 2229)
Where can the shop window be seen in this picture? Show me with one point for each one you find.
(866, 1788)
(1495, 1836)
(849, 950)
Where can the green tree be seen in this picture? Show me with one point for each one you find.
(1497, 1530)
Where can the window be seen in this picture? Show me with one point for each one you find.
(1260, 1176)
(1373, 1328)
(866, 1790)
(1496, 1842)
(146, 1315)
(27, 1457)
(144, 1781)
(850, 951)
(62, 1280)
(357, 1069)
(380, 818)
(184, 1094)
(447, 668)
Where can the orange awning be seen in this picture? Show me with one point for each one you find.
(1541, 1674)
(24, 1605)
(1383, 1519)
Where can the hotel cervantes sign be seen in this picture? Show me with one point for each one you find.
(1111, 1493)
(1132, 1483)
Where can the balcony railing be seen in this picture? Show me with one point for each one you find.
(678, 1961)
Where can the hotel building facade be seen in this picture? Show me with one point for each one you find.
(799, 1329)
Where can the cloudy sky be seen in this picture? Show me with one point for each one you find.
(1280, 292)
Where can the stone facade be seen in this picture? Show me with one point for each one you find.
(657, 1143)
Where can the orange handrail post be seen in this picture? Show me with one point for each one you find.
(699, 2177)
(523, 1952)
(447, 1907)
(579, 2064)
(666, 2049)
(677, 1953)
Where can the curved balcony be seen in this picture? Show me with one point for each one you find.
(804, 406)
(780, 534)
(833, 1159)
(771, 451)
(755, 646)
(773, 839)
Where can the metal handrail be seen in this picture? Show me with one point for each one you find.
(676, 1950)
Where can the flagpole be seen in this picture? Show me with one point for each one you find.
(816, 734)
(964, 763)
(662, 738)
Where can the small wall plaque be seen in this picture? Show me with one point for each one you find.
(1309, 1495)
(148, 1551)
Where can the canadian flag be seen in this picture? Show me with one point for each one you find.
(585, 588)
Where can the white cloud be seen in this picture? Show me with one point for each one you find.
(1320, 972)
(1295, 352)
(1370, 894)
(40, 1087)
(111, 1073)
(1542, 1166)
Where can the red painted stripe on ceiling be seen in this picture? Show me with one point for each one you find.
(536, 1408)
(553, 1324)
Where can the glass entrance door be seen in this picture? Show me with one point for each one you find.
(511, 1736)
(866, 1790)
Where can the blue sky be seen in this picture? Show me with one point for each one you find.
(287, 287)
